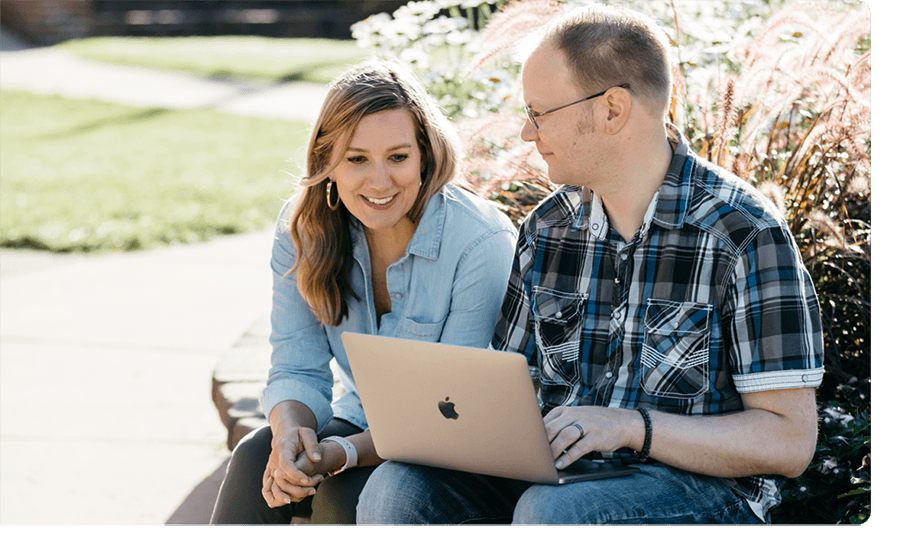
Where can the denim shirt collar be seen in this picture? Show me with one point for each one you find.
(426, 241)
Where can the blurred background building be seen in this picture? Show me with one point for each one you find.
(46, 22)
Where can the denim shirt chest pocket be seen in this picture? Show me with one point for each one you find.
(675, 349)
(420, 331)
(559, 322)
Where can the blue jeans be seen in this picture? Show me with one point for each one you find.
(399, 493)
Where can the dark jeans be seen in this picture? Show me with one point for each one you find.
(241, 501)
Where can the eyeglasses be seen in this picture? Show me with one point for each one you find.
(534, 115)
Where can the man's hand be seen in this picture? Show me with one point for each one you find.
(605, 429)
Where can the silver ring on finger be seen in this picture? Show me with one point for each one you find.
(580, 430)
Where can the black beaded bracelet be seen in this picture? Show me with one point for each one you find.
(648, 435)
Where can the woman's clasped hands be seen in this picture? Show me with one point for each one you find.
(297, 465)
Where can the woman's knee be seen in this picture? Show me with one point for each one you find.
(240, 499)
(336, 498)
(252, 452)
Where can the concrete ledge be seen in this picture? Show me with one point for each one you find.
(238, 381)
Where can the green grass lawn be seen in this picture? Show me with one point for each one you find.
(86, 175)
(277, 59)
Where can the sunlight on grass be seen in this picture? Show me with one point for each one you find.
(277, 59)
(86, 175)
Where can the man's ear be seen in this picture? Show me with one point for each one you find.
(618, 103)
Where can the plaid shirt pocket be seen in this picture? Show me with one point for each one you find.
(559, 321)
(675, 350)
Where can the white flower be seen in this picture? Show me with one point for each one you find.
(494, 78)
(398, 33)
(457, 38)
(421, 11)
(367, 32)
(371, 24)
(415, 57)
(445, 24)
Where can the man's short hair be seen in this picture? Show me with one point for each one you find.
(608, 46)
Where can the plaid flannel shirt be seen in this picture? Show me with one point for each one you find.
(708, 300)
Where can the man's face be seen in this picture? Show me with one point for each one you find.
(567, 139)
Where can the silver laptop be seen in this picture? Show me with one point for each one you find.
(459, 408)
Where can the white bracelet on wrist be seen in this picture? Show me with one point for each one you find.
(349, 450)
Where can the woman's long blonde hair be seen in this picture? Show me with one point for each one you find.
(322, 235)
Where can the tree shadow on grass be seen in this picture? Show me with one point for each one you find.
(137, 116)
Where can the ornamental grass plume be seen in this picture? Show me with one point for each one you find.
(500, 167)
(511, 24)
(804, 76)
(725, 115)
(795, 111)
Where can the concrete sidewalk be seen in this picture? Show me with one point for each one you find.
(105, 409)
(106, 361)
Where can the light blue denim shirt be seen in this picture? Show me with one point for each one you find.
(447, 288)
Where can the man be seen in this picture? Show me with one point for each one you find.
(661, 302)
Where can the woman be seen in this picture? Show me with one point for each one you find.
(378, 242)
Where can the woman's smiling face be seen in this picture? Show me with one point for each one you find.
(380, 175)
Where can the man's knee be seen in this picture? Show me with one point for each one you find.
(378, 501)
(395, 493)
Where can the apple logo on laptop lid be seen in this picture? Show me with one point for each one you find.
(448, 409)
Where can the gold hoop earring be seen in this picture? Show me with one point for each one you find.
(331, 205)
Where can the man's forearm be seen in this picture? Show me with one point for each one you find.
(775, 434)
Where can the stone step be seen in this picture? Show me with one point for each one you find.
(239, 378)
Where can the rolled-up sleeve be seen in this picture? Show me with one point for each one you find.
(773, 323)
(301, 352)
